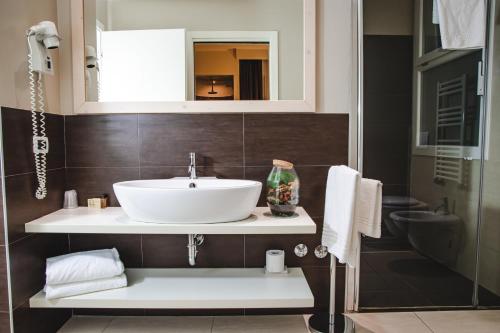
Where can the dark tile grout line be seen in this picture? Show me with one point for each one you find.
(244, 177)
(295, 165)
(32, 172)
(139, 146)
(183, 166)
(22, 238)
(212, 326)
(104, 167)
(108, 324)
(65, 145)
(142, 252)
(423, 322)
(243, 146)
(65, 186)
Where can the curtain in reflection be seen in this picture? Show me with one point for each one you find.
(251, 80)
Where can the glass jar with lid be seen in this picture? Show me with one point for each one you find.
(282, 189)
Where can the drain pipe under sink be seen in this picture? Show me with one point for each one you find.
(194, 240)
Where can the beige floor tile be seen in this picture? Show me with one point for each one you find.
(484, 321)
(390, 322)
(84, 324)
(180, 324)
(260, 324)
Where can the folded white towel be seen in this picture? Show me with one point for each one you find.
(369, 208)
(340, 201)
(83, 266)
(85, 287)
(462, 23)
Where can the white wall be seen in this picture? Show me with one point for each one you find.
(388, 17)
(16, 16)
(336, 57)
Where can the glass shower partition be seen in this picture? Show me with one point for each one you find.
(489, 244)
(424, 125)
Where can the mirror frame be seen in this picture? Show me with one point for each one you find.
(81, 106)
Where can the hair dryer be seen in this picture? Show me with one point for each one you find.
(41, 37)
(90, 56)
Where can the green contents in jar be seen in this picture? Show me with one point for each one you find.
(282, 189)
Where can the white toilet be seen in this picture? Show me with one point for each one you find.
(433, 234)
(391, 203)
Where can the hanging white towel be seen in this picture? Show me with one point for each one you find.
(462, 23)
(83, 266)
(85, 287)
(340, 201)
(369, 208)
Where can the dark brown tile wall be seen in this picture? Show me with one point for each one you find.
(90, 153)
(166, 139)
(4, 287)
(102, 141)
(18, 144)
(304, 139)
(27, 253)
(227, 146)
(171, 251)
(387, 117)
(388, 110)
(22, 206)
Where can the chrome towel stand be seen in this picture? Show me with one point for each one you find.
(330, 322)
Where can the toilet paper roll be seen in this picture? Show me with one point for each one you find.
(275, 261)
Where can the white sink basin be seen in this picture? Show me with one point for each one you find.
(173, 201)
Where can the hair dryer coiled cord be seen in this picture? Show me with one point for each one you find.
(40, 140)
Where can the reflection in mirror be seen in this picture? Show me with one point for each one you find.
(231, 71)
(430, 28)
(450, 111)
(178, 50)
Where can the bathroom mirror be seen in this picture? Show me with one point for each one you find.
(193, 55)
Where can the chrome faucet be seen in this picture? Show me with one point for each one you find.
(192, 166)
(443, 208)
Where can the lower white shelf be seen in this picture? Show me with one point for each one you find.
(195, 288)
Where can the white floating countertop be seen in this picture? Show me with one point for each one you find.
(113, 220)
(195, 288)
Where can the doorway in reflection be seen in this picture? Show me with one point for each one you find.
(231, 71)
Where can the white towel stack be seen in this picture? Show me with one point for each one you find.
(353, 205)
(84, 272)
